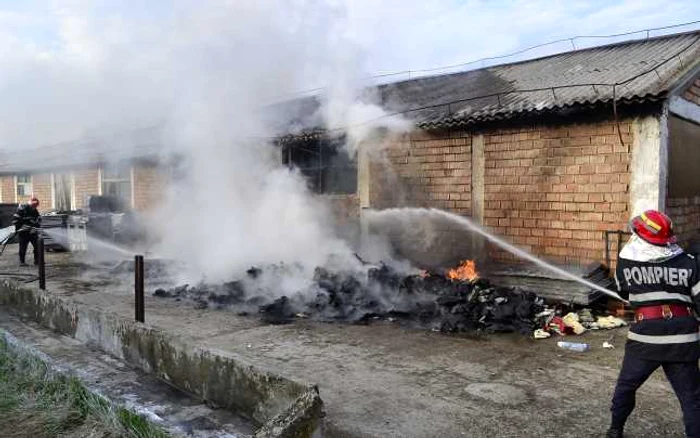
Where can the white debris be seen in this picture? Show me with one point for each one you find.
(609, 322)
(541, 334)
(545, 312)
(571, 320)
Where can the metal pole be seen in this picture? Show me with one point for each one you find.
(42, 265)
(138, 288)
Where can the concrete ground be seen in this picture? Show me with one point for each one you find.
(383, 380)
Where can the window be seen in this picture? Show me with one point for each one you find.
(324, 163)
(116, 180)
(24, 185)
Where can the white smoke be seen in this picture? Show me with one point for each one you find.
(202, 72)
(239, 206)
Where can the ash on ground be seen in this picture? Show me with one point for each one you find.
(430, 301)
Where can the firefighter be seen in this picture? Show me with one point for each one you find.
(662, 284)
(27, 222)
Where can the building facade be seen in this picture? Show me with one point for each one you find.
(551, 189)
(551, 154)
(64, 176)
(548, 154)
(139, 184)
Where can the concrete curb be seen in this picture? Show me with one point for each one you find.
(19, 349)
(280, 407)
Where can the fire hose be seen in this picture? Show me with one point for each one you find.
(7, 239)
(3, 245)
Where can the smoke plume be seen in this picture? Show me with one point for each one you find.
(203, 73)
(237, 206)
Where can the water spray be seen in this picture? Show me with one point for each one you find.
(465, 222)
(95, 241)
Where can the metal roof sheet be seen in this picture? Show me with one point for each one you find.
(642, 69)
(141, 143)
(631, 71)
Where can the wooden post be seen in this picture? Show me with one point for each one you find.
(138, 289)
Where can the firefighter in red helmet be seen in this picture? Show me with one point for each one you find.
(27, 222)
(662, 283)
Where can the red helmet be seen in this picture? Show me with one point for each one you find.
(654, 227)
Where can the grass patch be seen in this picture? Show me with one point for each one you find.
(37, 402)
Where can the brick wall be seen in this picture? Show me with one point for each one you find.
(7, 186)
(551, 190)
(431, 170)
(346, 214)
(692, 93)
(41, 188)
(685, 213)
(149, 182)
(554, 190)
(86, 183)
(425, 170)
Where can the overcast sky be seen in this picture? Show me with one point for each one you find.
(67, 48)
(397, 34)
(446, 32)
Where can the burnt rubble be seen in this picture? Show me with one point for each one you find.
(428, 301)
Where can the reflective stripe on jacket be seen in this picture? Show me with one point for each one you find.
(672, 281)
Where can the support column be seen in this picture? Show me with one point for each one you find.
(73, 203)
(53, 191)
(648, 163)
(363, 189)
(663, 158)
(478, 171)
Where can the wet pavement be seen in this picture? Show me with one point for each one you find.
(383, 380)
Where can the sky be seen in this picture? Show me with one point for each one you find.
(397, 35)
(60, 59)
(429, 34)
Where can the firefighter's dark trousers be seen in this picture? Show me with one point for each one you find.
(684, 378)
(24, 239)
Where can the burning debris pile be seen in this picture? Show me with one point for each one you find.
(456, 302)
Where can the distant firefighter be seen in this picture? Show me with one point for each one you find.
(27, 222)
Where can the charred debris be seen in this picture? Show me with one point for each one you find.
(427, 300)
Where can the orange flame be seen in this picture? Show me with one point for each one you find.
(466, 271)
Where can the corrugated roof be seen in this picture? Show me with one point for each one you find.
(141, 143)
(642, 69)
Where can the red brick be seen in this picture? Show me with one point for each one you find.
(545, 174)
(86, 184)
(8, 190)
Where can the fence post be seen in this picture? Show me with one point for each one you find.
(138, 288)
